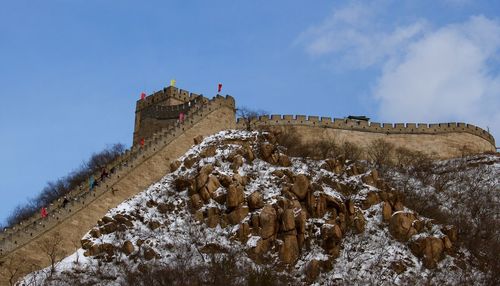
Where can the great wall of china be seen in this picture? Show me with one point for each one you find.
(167, 138)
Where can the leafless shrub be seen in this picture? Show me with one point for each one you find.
(317, 149)
(12, 267)
(351, 151)
(248, 115)
(380, 152)
(52, 248)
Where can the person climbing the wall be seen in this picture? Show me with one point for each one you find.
(92, 183)
(181, 117)
(43, 212)
(65, 202)
(219, 88)
(104, 174)
(142, 142)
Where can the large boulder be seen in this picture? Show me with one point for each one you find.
(312, 271)
(430, 249)
(196, 201)
(86, 243)
(212, 217)
(163, 208)
(284, 161)
(371, 199)
(198, 139)
(149, 253)
(202, 177)
(337, 203)
(208, 151)
(190, 161)
(248, 153)
(259, 248)
(225, 180)
(255, 200)
(288, 220)
(95, 232)
(204, 194)
(267, 221)
(127, 247)
(386, 211)
(401, 225)
(289, 251)
(154, 224)
(300, 186)
(235, 196)
(107, 248)
(266, 150)
(243, 232)
(237, 215)
(236, 163)
(108, 228)
(300, 221)
(316, 204)
(331, 231)
(211, 185)
(451, 232)
(242, 180)
(122, 219)
(181, 184)
(175, 165)
(448, 245)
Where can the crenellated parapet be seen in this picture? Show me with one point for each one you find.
(168, 93)
(365, 126)
(162, 109)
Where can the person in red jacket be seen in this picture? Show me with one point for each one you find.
(43, 212)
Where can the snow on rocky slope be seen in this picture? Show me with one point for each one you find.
(323, 222)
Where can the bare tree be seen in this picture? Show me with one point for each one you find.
(52, 247)
(12, 268)
(380, 152)
(248, 115)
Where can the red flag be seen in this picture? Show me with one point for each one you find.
(220, 87)
(143, 95)
(44, 212)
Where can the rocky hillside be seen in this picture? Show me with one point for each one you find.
(237, 210)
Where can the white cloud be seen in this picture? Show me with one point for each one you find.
(443, 74)
(354, 33)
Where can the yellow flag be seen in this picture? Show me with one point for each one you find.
(172, 82)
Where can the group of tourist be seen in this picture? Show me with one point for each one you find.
(93, 183)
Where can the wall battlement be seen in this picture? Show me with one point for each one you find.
(365, 126)
(165, 94)
(162, 109)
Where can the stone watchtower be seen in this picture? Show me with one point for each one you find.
(162, 109)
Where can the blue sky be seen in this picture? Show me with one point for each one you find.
(71, 71)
